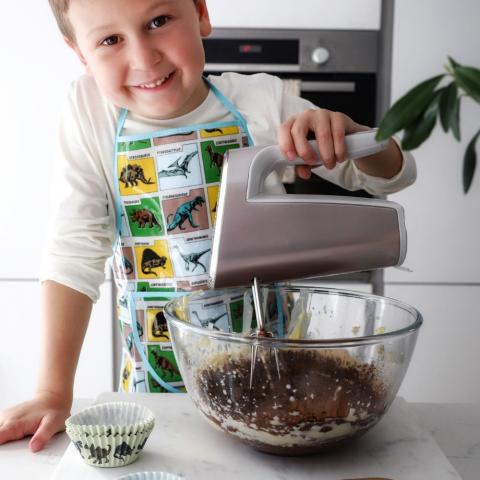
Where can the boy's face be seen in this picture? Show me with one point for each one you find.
(145, 55)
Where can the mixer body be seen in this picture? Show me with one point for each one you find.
(285, 237)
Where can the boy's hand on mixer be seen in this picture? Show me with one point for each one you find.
(42, 417)
(329, 128)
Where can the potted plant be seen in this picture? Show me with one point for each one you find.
(439, 97)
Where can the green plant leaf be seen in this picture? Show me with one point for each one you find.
(468, 78)
(452, 62)
(470, 162)
(408, 108)
(448, 99)
(421, 128)
(455, 120)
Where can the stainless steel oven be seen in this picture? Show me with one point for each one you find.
(337, 70)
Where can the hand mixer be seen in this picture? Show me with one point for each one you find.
(267, 238)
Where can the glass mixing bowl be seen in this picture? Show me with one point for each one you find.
(329, 374)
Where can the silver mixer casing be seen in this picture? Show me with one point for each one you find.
(290, 237)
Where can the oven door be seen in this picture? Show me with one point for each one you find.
(352, 94)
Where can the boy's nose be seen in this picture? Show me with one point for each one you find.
(143, 54)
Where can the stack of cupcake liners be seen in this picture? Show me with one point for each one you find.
(110, 434)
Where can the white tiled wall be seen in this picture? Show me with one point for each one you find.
(443, 223)
(36, 70)
(445, 365)
(20, 344)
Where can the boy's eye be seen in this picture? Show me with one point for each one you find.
(158, 22)
(109, 41)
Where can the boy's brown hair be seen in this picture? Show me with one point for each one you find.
(60, 9)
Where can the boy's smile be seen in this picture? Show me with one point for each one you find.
(155, 84)
(145, 55)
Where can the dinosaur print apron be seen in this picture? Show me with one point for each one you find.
(167, 185)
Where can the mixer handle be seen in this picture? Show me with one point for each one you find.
(271, 158)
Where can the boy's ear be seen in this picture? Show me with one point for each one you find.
(77, 51)
(204, 18)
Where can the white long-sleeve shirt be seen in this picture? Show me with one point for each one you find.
(82, 227)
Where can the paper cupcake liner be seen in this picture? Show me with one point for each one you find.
(111, 450)
(112, 435)
(107, 430)
(111, 418)
(151, 476)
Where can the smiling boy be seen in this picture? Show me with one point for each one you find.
(144, 109)
(151, 64)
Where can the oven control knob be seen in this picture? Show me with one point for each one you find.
(320, 55)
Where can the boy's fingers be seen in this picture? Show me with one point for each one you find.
(49, 426)
(337, 123)
(304, 150)
(12, 431)
(285, 141)
(323, 135)
(303, 172)
(324, 139)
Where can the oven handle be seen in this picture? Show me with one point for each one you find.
(306, 86)
(318, 87)
(251, 67)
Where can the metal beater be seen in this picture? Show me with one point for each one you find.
(260, 331)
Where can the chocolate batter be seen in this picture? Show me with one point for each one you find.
(323, 398)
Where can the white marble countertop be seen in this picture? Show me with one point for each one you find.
(454, 427)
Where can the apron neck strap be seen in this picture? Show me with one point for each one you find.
(121, 121)
(221, 97)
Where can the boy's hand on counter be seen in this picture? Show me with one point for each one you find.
(329, 128)
(42, 417)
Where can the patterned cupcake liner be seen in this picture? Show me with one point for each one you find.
(110, 434)
(151, 476)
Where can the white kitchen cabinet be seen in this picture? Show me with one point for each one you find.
(318, 14)
(20, 344)
(446, 362)
(443, 224)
